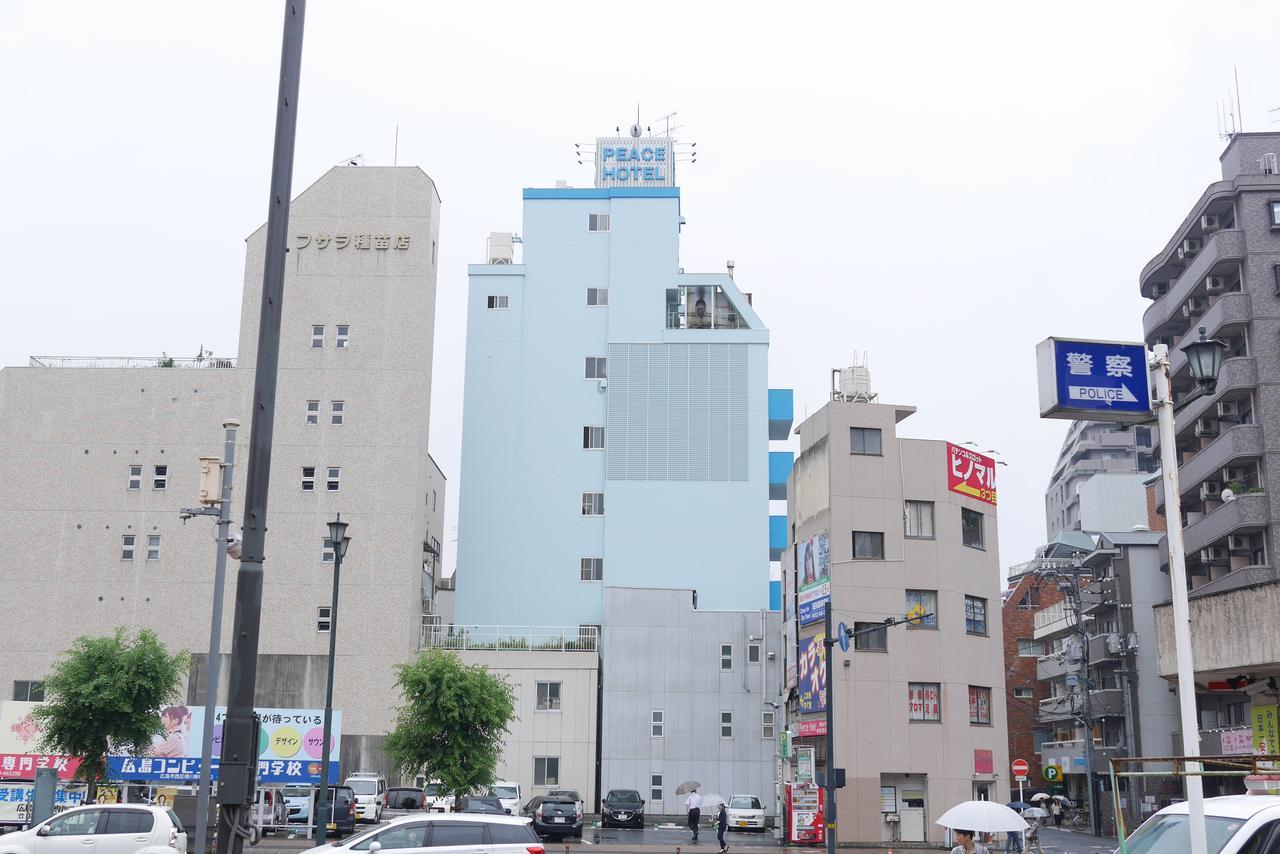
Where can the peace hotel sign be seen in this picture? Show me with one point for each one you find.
(354, 241)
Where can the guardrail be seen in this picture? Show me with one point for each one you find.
(127, 362)
(516, 638)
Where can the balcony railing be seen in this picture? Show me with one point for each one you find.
(516, 638)
(127, 362)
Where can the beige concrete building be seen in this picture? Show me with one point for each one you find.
(99, 454)
(889, 526)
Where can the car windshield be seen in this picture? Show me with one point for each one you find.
(624, 796)
(432, 789)
(1170, 834)
(565, 793)
(503, 791)
(744, 803)
(297, 792)
(363, 787)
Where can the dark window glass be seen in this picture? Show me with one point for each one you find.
(128, 821)
(78, 823)
(975, 615)
(404, 836)
(864, 440)
(511, 834)
(971, 528)
(875, 639)
(457, 834)
(868, 545)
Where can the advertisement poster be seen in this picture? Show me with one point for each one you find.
(788, 583)
(791, 676)
(1264, 730)
(20, 755)
(1237, 742)
(804, 764)
(971, 473)
(813, 565)
(813, 676)
(811, 729)
(924, 702)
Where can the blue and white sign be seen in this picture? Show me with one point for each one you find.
(843, 634)
(1093, 380)
(635, 162)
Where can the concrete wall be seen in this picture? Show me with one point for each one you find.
(1156, 706)
(1233, 632)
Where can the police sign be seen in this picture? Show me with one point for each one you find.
(1093, 380)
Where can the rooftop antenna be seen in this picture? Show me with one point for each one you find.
(1239, 110)
(395, 158)
(357, 160)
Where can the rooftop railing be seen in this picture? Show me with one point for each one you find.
(518, 638)
(128, 362)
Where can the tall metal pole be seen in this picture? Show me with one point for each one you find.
(215, 638)
(1076, 598)
(827, 642)
(322, 800)
(1163, 403)
(238, 768)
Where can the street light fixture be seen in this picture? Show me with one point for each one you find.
(1205, 357)
(338, 539)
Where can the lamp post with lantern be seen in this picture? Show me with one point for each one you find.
(338, 539)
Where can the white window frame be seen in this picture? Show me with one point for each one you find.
(337, 412)
(332, 478)
(726, 723)
(593, 504)
(313, 412)
(864, 433)
(726, 657)
(657, 723)
(920, 534)
(324, 619)
(135, 478)
(591, 569)
(598, 297)
(326, 550)
(768, 725)
(753, 653)
(498, 302)
(655, 788)
(596, 368)
(1023, 693)
(1022, 654)
(545, 702)
(153, 546)
(160, 477)
(309, 481)
(598, 222)
(128, 546)
(317, 336)
(986, 617)
(924, 709)
(343, 341)
(590, 434)
(546, 779)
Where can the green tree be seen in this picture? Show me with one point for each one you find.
(451, 725)
(104, 696)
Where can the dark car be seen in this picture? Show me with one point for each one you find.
(342, 810)
(555, 815)
(622, 808)
(402, 801)
(485, 804)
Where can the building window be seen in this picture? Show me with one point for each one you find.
(333, 479)
(28, 692)
(593, 438)
(871, 638)
(499, 301)
(979, 705)
(1030, 599)
(592, 569)
(1274, 207)
(317, 336)
(726, 656)
(593, 504)
(1039, 737)
(920, 603)
(324, 619)
(767, 729)
(971, 528)
(135, 478)
(1028, 648)
(597, 368)
(597, 296)
(127, 543)
(655, 788)
(919, 520)
(343, 336)
(308, 478)
(924, 700)
(313, 412)
(548, 696)
(657, 723)
(975, 615)
(160, 477)
(597, 222)
(153, 547)
(1023, 693)
(864, 440)
(753, 653)
(726, 724)
(546, 771)
(326, 551)
(868, 545)
(337, 411)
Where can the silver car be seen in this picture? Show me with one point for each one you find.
(425, 833)
(102, 829)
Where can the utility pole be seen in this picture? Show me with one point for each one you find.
(213, 665)
(339, 539)
(237, 772)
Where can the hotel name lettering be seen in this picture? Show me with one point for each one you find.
(351, 241)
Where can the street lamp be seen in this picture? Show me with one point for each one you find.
(1205, 357)
(338, 539)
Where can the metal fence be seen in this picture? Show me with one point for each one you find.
(525, 638)
(127, 362)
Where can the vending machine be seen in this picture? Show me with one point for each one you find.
(805, 814)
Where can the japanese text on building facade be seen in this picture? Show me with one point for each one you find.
(352, 241)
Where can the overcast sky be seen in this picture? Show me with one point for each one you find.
(940, 185)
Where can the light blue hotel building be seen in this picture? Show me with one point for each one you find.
(617, 414)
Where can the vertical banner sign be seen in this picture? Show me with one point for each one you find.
(790, 677)
(813, 566)
(804, 764)
(1265, 726)
(813, 675)
(971, 473)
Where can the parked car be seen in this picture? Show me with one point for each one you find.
(745, 813)
(341, 811)
(571, 794)
(472, 834)
(622, 808)
(509, 794)
(487, 804)
(555, 815)
(270, 810)
(297, 800)
(108, 828)
(371, 794)
(1234, 824)
(437, 802)
(402, 800)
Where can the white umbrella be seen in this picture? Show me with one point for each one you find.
(686, 788)
(711, 803)
(986, 816)
(1035, 812)
(1039, 796)
(1064, 800)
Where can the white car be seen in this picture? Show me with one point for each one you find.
(371, 795)
(508, 794)
(1233, 823)
(434, 801)
(102, 829)
(472, 833)
(745, 813)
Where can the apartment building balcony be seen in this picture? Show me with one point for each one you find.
(781, 413)
(780, 463)
(1056, 709)
(1070, 755)
(1247, 513)
(1055, 619)
(1226, 246)
(1234, 626)
(1239, 375)
(1237, 442)
(1228, 312)
(510, 638)
(1050, 667)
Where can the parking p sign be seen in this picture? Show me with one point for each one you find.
(1052, 773)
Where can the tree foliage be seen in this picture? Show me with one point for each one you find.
(104, 696)
(452, 723)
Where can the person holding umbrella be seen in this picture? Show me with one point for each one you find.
(969, 817)
(694, 805)
(722, 824)
(967, 845)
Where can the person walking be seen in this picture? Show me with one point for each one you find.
(1033, 837)
(1013, 841)
(1055, 809)
(694, 805)
(966, 844)
(722, 824)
